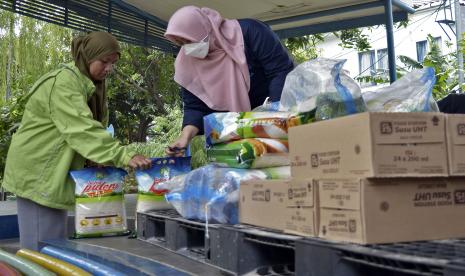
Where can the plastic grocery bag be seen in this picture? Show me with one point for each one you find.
(250, 153)
(211, 193)
(411, 93)
(321, 87)
(163, 169)
(100, 209)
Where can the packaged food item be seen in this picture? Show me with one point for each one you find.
(231, 126)
(221, 127)
(263, 125)
(250, 153)
(100, 209)
(163, 169)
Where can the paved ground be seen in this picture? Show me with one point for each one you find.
(156, 253)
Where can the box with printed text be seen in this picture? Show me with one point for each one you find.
(370, 145)
(369, 211)
(286, 205)
(455, 132)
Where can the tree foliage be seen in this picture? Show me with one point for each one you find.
(141, 89)
(303, 48)
(353, 39)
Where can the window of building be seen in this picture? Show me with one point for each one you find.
(423, 48)
(366, 62)
(382, 64)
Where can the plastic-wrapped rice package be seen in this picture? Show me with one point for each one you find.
(250, 153)
(100, 209)
(211, 193)
(263, 125)
(231, 126)
(163, 169)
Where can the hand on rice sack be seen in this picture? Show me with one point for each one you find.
(224, 65)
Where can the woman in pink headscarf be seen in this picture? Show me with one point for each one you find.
(223, 65)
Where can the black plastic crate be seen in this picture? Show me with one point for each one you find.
(255, 251)
(151, 226)
(166, 228)
(319, 257)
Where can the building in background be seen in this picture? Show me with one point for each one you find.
(410, 41)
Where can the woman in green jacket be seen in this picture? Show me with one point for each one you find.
(64, 124)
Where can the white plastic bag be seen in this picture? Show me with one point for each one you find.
(411, 93)
(320, 85)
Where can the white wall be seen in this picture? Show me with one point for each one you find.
(421, 24)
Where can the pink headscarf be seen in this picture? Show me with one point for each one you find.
(221, 80)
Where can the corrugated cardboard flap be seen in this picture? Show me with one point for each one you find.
(456, 128)
(407, 128)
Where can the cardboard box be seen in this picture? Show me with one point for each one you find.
(370, 145)
(391, 210)
(455, 132)
(285, 205)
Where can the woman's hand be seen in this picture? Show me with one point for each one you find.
(178, 147)
(140, 162)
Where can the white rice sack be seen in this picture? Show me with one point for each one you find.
(100, 209)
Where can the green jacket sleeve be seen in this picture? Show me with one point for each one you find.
(73, 119)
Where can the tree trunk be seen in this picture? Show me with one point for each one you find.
(10, 56)
(142, 130)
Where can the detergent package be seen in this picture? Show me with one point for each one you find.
(100, 209)
(163, 169)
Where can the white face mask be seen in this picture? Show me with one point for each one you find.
(197, 49)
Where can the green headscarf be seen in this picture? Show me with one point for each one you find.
(86, 49)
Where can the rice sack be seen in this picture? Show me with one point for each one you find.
(250, 153)
(100, 209)
(263, 125)
(163, 169)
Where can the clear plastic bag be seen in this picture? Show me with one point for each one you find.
(211, 193)
(267, 106)
(321, 87)
(411, 93)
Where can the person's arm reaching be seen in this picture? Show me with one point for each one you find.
(192, 125)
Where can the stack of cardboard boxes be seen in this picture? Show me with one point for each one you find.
(368, 178)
